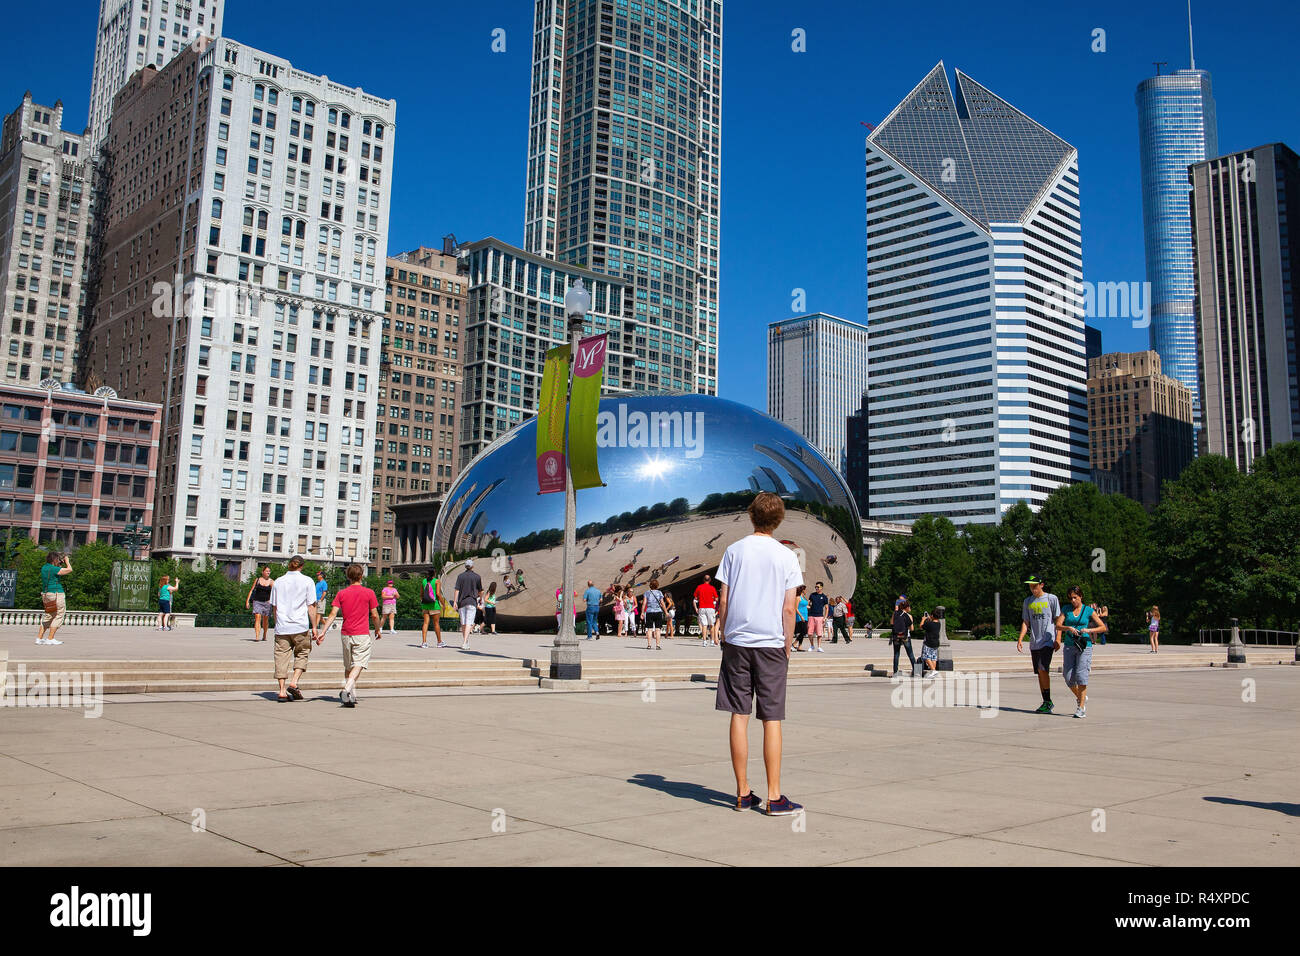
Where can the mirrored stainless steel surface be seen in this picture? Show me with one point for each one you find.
(679, 472)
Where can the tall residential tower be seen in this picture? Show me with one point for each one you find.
(624, 170)
(977, 352)
(1176, 127)
(137, 33)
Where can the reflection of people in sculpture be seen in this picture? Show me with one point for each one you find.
(709, 544)
(519, 579)
(829, 559)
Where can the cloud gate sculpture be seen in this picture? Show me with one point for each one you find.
(680, 470)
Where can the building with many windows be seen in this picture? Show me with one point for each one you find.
(625, 165)
(242, 287)
(134, 34)
(1139, 425)
(515, 314)
(1177, 126)
(419, 383)
(75, 467)
(974, 262)
(1246, 270)
(45, 209)
(816, 377)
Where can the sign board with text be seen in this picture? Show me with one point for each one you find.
(128, 588)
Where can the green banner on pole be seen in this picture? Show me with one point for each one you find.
(588, 374)
(550, 421)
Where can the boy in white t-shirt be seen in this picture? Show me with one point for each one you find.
(756, 610)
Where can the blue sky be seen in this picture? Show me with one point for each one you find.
(792, 181)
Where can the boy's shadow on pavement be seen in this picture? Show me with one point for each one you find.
(684, 790)
(1290, 809)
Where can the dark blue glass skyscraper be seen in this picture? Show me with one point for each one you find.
(1176, 127)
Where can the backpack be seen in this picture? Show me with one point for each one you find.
(430, 592)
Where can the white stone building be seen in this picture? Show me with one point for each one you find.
(263, 341)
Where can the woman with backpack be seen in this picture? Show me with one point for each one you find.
(431, 606)
(901, 635)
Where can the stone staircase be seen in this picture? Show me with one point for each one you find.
(160, 677)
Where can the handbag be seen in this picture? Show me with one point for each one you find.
(51, 605)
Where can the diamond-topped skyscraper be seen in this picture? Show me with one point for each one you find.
(624, 171)
(977, 363)
(1176, 128)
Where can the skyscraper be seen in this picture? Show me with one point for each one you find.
(1246, 270)
(514, 313)
(624, 170)
(243, 288)
(977, 358)
(45, 207)
(137, 33)
(816, 376)
(1139, 425)
(1176, 127)
(419, 385)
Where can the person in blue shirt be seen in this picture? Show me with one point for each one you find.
(592, 597)
(322, 589)
(1079, 623)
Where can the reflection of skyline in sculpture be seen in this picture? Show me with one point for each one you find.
(689, 499)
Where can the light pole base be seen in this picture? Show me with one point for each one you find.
(554, 683)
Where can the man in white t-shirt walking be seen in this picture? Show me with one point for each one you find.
(756, 610)
(293, 598)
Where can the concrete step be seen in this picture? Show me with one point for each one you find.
(308, 685)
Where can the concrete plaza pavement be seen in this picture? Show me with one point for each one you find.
(1192, 767)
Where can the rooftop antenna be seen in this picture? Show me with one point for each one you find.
(1191, 50)
(1158, 64)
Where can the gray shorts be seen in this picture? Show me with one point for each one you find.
(749, 672)
(262, 607)
(1076, 665)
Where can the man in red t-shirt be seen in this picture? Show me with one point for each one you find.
(360, 609)
(706, 608)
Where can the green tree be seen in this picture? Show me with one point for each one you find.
(997, 565)
(87, 586)
(1198, 534)
(1099, 542)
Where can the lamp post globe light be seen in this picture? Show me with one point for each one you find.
(566, 654)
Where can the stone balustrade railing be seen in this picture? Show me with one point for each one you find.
(34, 618)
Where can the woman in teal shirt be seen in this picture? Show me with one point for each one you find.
(1076, 630)
(52, 595)
(801, 618)
(165, 592)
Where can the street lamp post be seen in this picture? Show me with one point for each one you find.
(566, 654)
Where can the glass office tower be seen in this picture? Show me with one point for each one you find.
(1176, 128)
(625, 165)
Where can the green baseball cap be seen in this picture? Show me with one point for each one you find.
(1034, 579)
